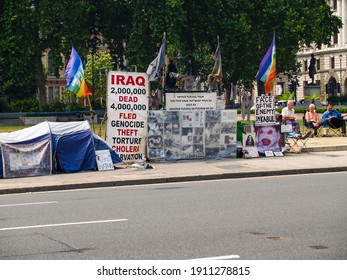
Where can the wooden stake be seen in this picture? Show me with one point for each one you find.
(91, 112)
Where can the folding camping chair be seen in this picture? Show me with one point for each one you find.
(335, 127)
(295, 143)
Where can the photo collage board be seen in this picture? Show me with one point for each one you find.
(264, 138)
(174, 135)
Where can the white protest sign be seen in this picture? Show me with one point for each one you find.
(265, 109)
(179, 101)
(127, 104)
(104, 160)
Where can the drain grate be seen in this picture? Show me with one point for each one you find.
(319, 247)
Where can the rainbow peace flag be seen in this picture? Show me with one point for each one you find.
(267, 67)
(74, 75)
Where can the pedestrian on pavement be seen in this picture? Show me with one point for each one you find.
(312, 119)
(334, 119)
(288, 116)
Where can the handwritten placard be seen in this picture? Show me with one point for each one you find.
(104, 160)
(265, 109)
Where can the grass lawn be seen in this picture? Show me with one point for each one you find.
(10, 128)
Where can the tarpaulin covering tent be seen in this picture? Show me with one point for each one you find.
(50, 147)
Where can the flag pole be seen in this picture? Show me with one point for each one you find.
(275, 83)
(91, 112)
(163, 72)
(219, 80)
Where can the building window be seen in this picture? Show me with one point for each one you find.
(305, 65)
(50, 95)
(53, 94)
(50, 69)
(57, 93)
(334, 5)
(335, 39)
(332, 62)
(318, 64)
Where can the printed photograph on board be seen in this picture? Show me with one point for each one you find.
(172, 141)
(269, 138)
(192, 134)
(176, 135)
(249, 139)
(155, 132)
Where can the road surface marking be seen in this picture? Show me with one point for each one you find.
(220, 258)
(26, 204)
(64, 224)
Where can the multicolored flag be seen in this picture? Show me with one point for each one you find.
(217, 69)
(267, 67)
(158, 63)
(74, 75)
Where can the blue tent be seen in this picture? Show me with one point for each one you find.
(51, 147)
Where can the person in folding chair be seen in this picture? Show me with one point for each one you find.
(295, 142)
(312, 119)
(333, 119)
(288, 116)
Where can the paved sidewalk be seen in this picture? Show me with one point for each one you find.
(326, 155)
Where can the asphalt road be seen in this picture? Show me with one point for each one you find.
(284, 217)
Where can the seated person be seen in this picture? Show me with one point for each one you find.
(333, 118)
(312, 119)
(288, 116)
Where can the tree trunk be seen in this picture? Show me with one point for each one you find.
(40, 82)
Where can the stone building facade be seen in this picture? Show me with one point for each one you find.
(331, 61)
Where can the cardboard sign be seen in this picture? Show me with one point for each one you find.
(285, 128)
(104, 160)
(265, 109)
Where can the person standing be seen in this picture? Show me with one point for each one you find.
(288, 116)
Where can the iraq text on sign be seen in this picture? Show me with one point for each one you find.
(127, 104)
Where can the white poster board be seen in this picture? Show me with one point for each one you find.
(265, 109)
(127, 105)
(180, 101)
(104, 160)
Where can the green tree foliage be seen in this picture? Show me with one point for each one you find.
(134, 28)
(29, 28)
(95, 74)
